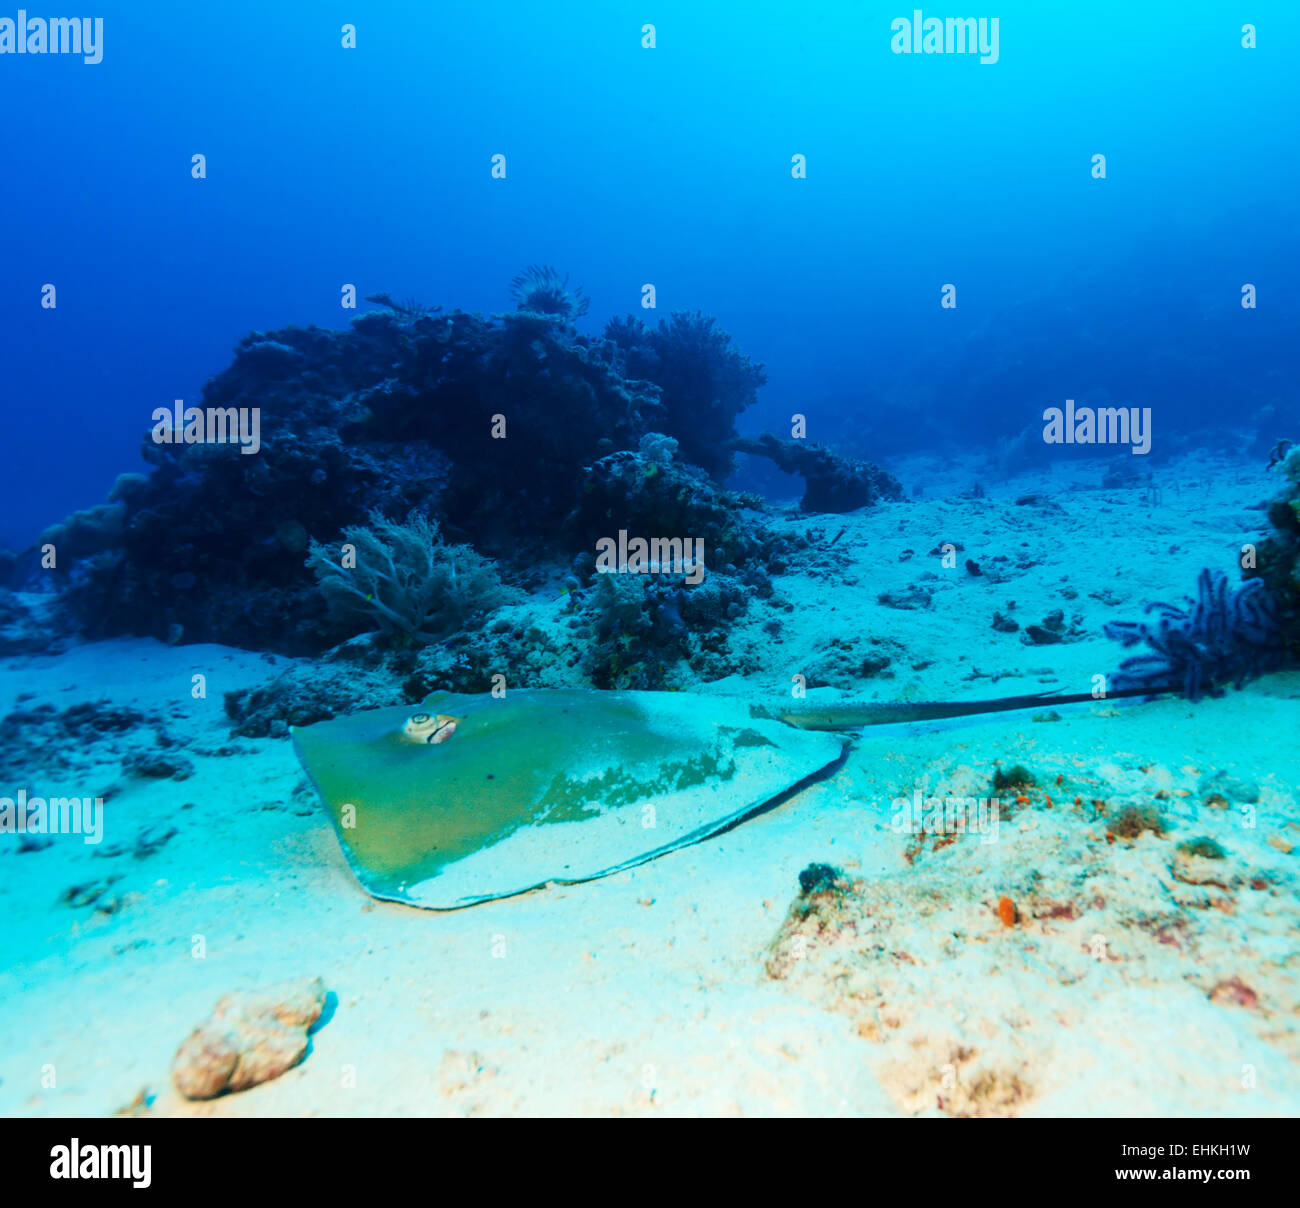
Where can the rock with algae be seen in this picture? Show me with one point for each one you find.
(826, 907)
(250, 1037)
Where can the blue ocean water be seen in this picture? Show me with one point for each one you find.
(670, 165)
(1013, 499)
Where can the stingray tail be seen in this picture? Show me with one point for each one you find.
(853, 715)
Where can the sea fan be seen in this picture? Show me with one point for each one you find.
(406, 580)
(541, 290)
(1223, 636)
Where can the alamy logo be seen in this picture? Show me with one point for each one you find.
(25, 815)
(650, 556)
(213, 426)
(78, 1161)
(945, 36)
(946, 816)
(26, 35)
(1103, 426)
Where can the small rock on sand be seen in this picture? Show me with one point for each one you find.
(250, 1037)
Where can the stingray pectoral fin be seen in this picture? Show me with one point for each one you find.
(543, 785)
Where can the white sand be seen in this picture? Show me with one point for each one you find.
(646, 992)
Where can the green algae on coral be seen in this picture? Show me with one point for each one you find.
(1016, 777)
(1204, 847)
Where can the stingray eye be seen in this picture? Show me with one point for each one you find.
(426, 727)
(444, 728)
(419, 726)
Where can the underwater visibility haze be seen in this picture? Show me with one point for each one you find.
(688, 559)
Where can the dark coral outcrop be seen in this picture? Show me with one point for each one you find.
(703, 379)
(832, 481)
(652, 492)
(1277, 563)
(518, 435)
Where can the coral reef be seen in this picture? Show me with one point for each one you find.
(832, 482)
(210, 547)
(1278, 562)
(516, 642)
(704, 381)
(405, 580)
(87, 532)
(307, 693)
(651, 492)
(1223, 636)
(641, 625)
(500, 426)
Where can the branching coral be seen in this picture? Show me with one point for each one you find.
(705, 381)
(539, 289)
(1223, 636)
(834, 482)
(405, 579)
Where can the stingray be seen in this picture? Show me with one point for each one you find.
(472, 797)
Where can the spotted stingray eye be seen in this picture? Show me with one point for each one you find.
(429, 727)
(419, 726)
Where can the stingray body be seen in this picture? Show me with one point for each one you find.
(471, 797)
(543, 785)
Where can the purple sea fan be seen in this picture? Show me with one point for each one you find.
(1225, 635)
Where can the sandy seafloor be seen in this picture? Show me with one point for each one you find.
(1122, 990)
